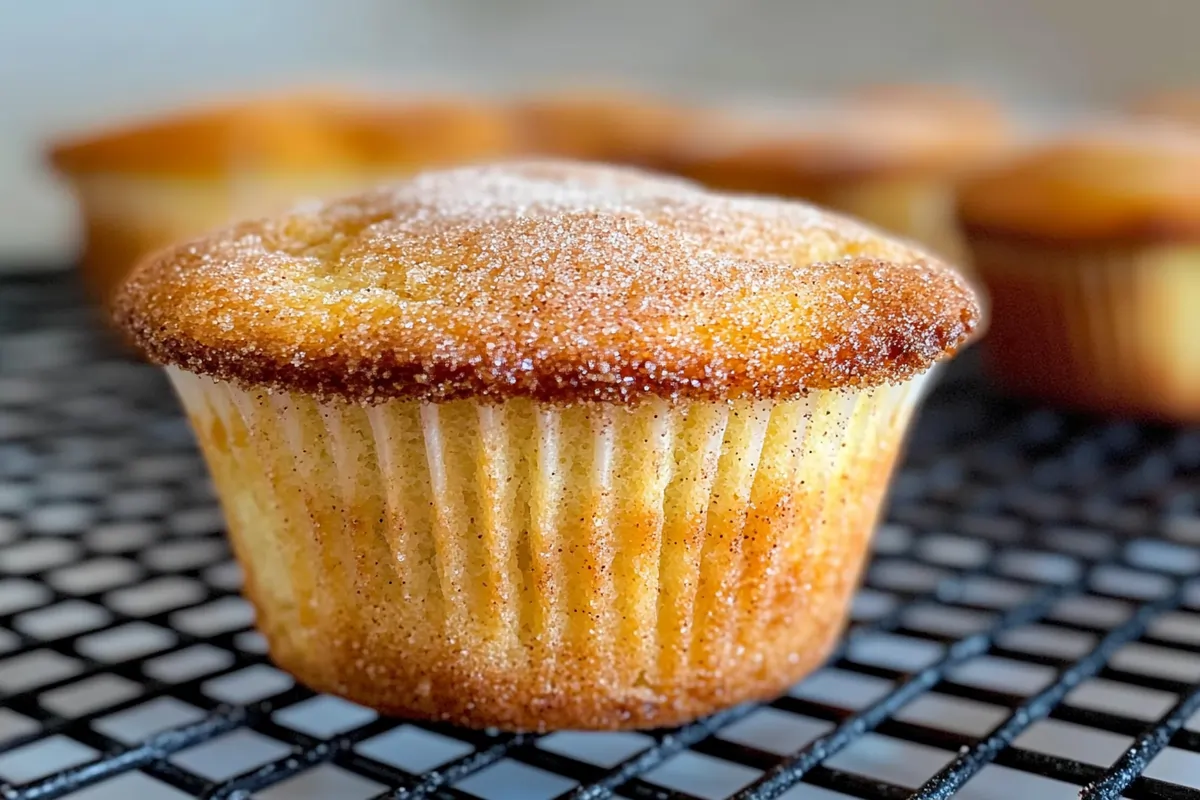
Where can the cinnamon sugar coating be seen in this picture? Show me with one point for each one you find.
(550, 280)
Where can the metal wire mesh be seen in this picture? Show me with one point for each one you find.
(1029, 625)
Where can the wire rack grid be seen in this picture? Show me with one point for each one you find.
(1029, 625)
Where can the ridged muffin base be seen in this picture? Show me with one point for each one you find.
(530, 566)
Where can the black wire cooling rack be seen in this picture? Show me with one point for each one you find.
(1030, 626)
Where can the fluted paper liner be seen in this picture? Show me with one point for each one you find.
(1115, 328)
(533, 566)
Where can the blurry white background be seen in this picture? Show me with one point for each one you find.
(70, 64)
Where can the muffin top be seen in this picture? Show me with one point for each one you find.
(551, 280)
(883, 132)
(312, 130)
(1124, 181)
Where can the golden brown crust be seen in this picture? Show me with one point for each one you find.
(322, 131)
(550, 280)
(1126, 183)
(428, 133)
(800, 150)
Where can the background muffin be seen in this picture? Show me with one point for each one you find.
(1172, 105)
(549, 445)
(150, 184)
(1090, 249)
(890, 155)
(610, 126)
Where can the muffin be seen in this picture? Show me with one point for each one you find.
(1089, 246)
(1172, 105)
(890, 156)
(149, 184)
(549, 445)
(948, 102)
(608, 126)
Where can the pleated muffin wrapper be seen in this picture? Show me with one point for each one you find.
(1110, 328)
(535, 566)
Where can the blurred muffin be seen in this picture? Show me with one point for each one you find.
(609, 126)
(146, 185)
(890, 155)
(549, 445)
(950, 102)
(1090, 249)
(1171, 105)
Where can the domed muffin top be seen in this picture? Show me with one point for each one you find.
(313, 131)
(550, 280)
(1121, 181)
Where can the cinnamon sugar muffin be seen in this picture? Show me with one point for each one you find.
(1090, 249)
(149, 184)
(549, 445)
(890, 155)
